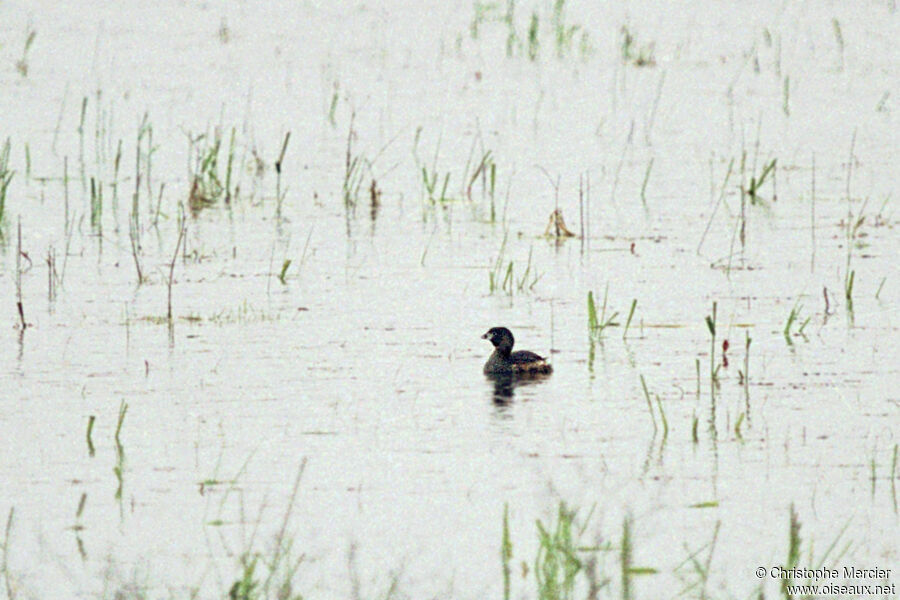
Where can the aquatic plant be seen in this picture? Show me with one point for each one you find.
(597, 324)
(534, 44)
(119, 468)
(557, 562)
(354, 165)
(6, 175)
(633, 53)
(90, 429)
(662, 413)
(563, 32)
(22, 63)
(279, 197)
(182, 229)
(272, 574)
(756, 182)
(206, 186)
(630, 316)
(500, 279)
(506, 551)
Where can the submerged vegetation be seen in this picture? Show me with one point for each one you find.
(523, 39)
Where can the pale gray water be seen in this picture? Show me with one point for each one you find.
(366, 363)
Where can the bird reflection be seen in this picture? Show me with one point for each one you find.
(505, 384)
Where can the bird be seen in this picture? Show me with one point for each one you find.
(506, 362)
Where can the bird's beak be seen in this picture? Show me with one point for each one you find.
(485, 336)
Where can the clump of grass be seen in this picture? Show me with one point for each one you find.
(597, 324)
(264, 576)
(502, 276)
(206, 186)
(635, 54)
(793, 318)
(563, 33)
(701, 569)
(756, 182)
(433, 183)
(487, 172)
(483, 12)
(354, 167)
(557, 562)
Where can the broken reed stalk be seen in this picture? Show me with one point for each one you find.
(181, 230)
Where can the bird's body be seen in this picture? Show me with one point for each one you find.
(506, 362)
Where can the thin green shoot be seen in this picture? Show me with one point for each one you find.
(22, 63)
(630, 315)
(597, 324)
(792, 318)
(746, 373)
(123, 409)
(873, 468)
(848, 289)
(793, 556)
(649, 404)
(695, 424)
(90, 429)
(506, 552)
(534, 44)
(713, 370)
(644, 184)
(284, 268)
(737, 426)
(893, 477)
(662, 414)
(6, 175)
(756, 183)
(332, 109)
(625, 552)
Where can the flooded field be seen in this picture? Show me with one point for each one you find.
(248, 252)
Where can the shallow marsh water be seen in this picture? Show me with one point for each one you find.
(363, 369)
